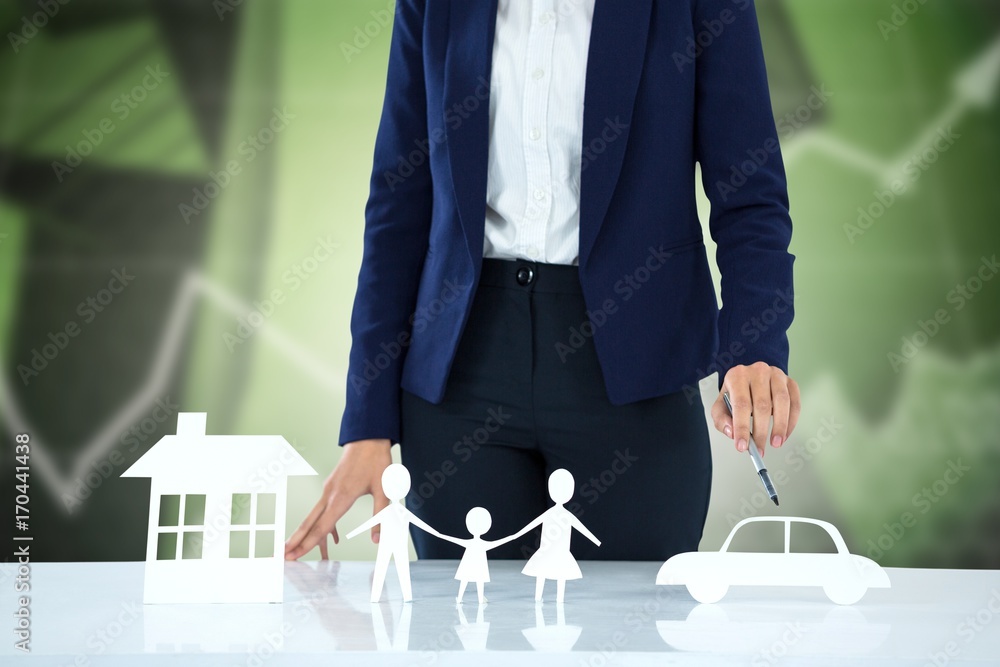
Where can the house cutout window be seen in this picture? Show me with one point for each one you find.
(253, 525)
(181, 529)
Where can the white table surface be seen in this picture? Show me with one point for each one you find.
(92, 614)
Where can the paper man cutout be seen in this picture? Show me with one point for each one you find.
(216, 524)
(394, 538)
(400, 629)
(553, 559)
(474, 566)
(845, 577)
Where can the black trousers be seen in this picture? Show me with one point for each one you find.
(525, 397)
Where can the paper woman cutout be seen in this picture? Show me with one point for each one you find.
(553, 559)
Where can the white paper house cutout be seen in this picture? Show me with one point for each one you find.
(216, 514)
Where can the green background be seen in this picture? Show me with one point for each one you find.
(873, 444)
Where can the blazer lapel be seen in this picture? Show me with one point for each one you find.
(614, 66)
(468, 65)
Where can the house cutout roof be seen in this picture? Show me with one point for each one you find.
(194, 457)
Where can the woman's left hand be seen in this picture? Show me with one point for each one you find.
(764, 391)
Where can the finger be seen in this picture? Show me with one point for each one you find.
(379, 503)
(336, 535)
(720, 417)
(323, 552)
(338, 504)
(780, 408)
(304, 527)
(316, 534)
(739, 396)
(760, 390)
(794, 406)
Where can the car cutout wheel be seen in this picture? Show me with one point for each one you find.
(845, 593)
(707, 592)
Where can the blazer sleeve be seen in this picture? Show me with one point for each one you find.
(397, 228)
(743, 175)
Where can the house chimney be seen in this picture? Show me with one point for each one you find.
(191, 423)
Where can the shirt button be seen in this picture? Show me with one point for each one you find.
(546, 17)
(538, 73)
(539, 194)
(533, 252)
(535, 134)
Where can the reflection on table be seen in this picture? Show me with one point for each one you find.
(80, 611)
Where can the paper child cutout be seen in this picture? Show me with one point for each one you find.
(394, 540)
(474, 565)
(553, 559)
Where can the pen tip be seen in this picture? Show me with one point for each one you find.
(775, 499)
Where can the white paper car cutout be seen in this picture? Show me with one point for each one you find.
(844, 577)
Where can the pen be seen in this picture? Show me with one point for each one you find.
(758, 462)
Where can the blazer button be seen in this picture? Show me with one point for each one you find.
(525, 275)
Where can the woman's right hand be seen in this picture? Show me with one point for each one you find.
(358, 473)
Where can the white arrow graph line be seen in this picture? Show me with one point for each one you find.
(192, 287)
(974, 86)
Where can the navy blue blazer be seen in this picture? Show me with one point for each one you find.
(668, 83)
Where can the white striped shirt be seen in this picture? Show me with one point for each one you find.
(536, 130)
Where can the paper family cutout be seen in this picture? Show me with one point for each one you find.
(552, 560)
(844, 577)
(215, 532)
(216, 514)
